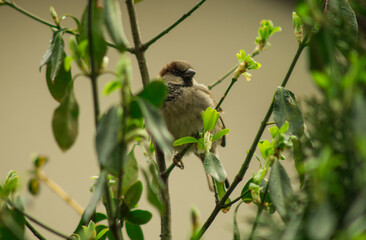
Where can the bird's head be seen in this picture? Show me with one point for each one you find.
(178, 72)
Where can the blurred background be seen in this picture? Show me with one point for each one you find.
(209, 39)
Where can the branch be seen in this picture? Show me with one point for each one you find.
(60, 192)
(166, 218)
(236, 199)
(245, 165)
(38, 222)
(139, 52)
(28, 14)
(167, 30)
(34, 231)
(93, 71)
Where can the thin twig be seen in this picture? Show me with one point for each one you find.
(34, 231)
(233, 80)
(139, 52)
(223, 77)
(167, 30)
(166, 221)
(60, 192)
(38, 222)
(236, 199)
(28, 14)
(245, 165)
(255, 53)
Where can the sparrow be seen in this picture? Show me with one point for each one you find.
(185, 101)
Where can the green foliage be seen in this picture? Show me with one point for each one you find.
(113, 22)
(298, 28)
(246, 62)
(213, 167)
(266, 30)
(286, 108)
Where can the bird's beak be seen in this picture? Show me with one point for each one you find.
(189, 73)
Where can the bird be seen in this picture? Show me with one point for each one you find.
(185, 101)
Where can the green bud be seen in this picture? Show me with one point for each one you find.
(33, 186)
(39, 161)
(297, 24)
(54, 16)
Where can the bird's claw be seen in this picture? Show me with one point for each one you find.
(178, 162)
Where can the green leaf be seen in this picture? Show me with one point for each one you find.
(10, 183)
(236, 231)
(12, 224)
(101, 231)
(107, 141)
(266, 148)
(65, 120)
(133, 195)
(153, 195)
(139, 217)
(221, 133)
(112, 86)
(285, 108)
(59, 85)
(210, 118)
(99, 191)
(99, 46)
(113, 22)
(214, 168)
(155, 124)
(33, 186)
(155, 93)
(131, 172)
(55, 54)
(134, 231)
(184, 140)
(220, 187)
(342, 15)
(247, 198)
(280, 189)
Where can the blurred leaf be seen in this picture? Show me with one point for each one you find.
(139, 217)
(130, 172)
(221, 133)
(285, 108)
(155, 93)
(99, 47)
(107, 141)
(65, 120)
(33, 186)
(236, 231)
(153, 195)
(101, 232)
(39, 161)
(54, 55)
(113, 22)
(299, 159)
(58, 85)
(134, 231)
(96, 217)
(12, 224)
(97, 196)
(155, 124)
(184, 140)
(280, 189)
(112, 86)
(10, 184)
(133, 195)
(342, 15)
(214, 168)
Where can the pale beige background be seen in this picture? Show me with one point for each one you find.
(209, 39)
